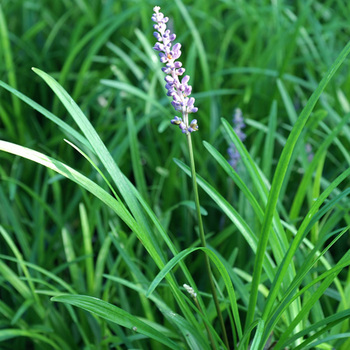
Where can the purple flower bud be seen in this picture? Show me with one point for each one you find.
(190, 102)
(158, 47)
(176, 120)
(185, 79)
(241, 135)
(157, 36)
(177, 47)
(239, 124)
(176, 105)
(169, 79)
(193, 126)
(188, 90)
(180, 71)
(171, 92)
(163, 57)
(166, 70)
(161, 27)
(182, 126)
(176, 52)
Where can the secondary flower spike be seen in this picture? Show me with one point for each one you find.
(238, 126)
(178, 89)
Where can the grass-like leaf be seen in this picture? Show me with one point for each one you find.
(71, 174)
(115, 314)
(222, 270)
(279, 178)
(6, 334)
(233, 215)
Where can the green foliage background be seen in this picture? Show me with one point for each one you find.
(265, 57)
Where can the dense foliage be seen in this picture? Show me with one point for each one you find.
(111, 214)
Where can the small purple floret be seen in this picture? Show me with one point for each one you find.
(179, 91)
(176, 120)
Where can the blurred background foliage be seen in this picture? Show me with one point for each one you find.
(246, 54)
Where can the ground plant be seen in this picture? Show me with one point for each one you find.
(174, 174)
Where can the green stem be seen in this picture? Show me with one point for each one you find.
(206, 326)
(203, 241)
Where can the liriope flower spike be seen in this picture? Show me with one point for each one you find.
(232, 151)
(178, 89)
(309, 152)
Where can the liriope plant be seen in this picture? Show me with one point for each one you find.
(268, 309)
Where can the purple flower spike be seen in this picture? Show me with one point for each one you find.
(238, 126)
(180, 91)
(309, 152)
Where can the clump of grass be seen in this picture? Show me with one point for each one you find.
(125, 245)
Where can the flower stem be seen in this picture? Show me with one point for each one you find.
(203, 240)
(206, 326)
